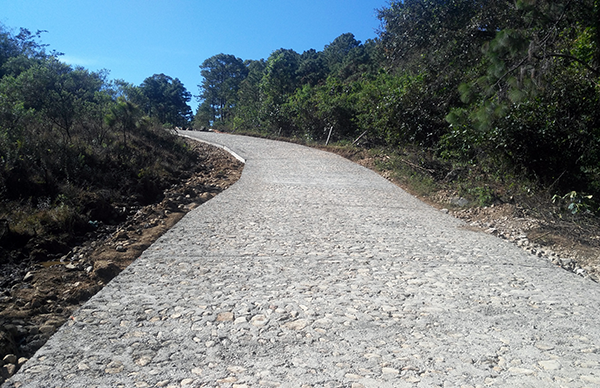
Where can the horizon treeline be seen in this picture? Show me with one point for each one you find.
(511, 84)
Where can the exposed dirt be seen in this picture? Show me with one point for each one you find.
(33, 308)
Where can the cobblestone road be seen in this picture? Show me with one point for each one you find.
(312, 271)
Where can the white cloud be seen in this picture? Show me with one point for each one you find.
(71, 60)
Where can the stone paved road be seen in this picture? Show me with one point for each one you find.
(312, 271)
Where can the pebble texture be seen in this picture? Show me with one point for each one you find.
(312, 271)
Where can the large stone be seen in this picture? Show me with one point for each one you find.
(11, 369)
(114, 367)
(259, 320)
(459, 201)
(105, 270)
(225, 317)
(549, 364)
(10, 359)
(46, 329)
(298, 324)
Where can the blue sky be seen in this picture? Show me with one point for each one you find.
(135, 39)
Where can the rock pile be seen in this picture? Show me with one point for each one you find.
(9, 366)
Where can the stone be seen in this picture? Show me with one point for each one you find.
(298, 324)
(83, 366)
(590, 379)
(46, 329)
(259, 320)
(197, 371)
(122, 235)
(8, 370)
(28, 276)
(236, 369)
(225, 317)
(143, 361)
(114, 367)
(11, 369)
(322, 323)
(459, 201)
(105, 270)
(544, 346)
(520, 371)
(10, 359)
(550, 364)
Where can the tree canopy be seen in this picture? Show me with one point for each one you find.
(222, 75)
(166, 99)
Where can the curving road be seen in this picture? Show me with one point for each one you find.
(312, 271)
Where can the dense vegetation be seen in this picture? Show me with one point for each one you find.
(73, 145)
(509, 88)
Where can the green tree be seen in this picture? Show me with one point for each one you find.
(440, 42)
(222, 75)
(278, 83)
(123, 115)
(325, 112)
(248, 109)
(165, 99)
(56, 91)
(535, 100)
(337, 51)
(312, 69)
(25, 44)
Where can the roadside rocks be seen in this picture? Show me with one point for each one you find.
(10, 362)
(495, 221)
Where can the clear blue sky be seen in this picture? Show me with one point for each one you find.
(135, 39)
